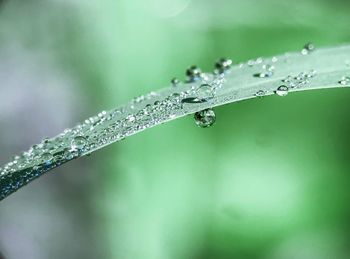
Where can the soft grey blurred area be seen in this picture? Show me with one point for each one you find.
(39, 97)
(40, 100)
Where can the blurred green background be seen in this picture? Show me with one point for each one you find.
(268, 181)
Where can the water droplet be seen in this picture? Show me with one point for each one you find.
(262, 75)
(67, 154)
(78, 143)
(345, 80)
(268, 67)
(252, 62)
(205, 91)
(268, 71)
(193, 100)
(260, 93)
(282, 90)
(194, 73)
(175, 82)
(223, 65)
(308, 48)
(46, 158)
(311, 74)
(274, 59)
(205, 118)
(131, 118)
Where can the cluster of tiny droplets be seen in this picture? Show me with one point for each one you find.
(290, 82)
(301, 80)
(143, 112)
(267, 71)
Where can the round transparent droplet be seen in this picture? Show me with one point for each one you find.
(205, 91)
(223, 65)
(47, 158)
(260, 93)
(175, 82)
(78, 143)
(308, 48)
(68, 154)
(268, 67)
(345, 80)
(282, 90)
(131, 118)
(193, 73)
(205, 118)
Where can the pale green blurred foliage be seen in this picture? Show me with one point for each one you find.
(268, 181)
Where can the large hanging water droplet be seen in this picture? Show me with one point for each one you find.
(282, 90)
(205, 118)
(78, 143)
(308, 48)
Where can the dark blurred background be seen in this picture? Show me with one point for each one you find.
(268, 181)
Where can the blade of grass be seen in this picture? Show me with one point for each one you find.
(291, 72)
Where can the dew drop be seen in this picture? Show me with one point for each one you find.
(205, 118)
(175, 82)
(78, 143)
(268, 71)
(193, 100)
(252, 62)
(131, 118)
(268, 67)
(262, 75)
(205, 91)
(194, 73)
(260, 93)
(308, 48)
(46, 158)
(345, 80)
(282, 90)
(223, 65)
(67, 154)
(274, 59)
